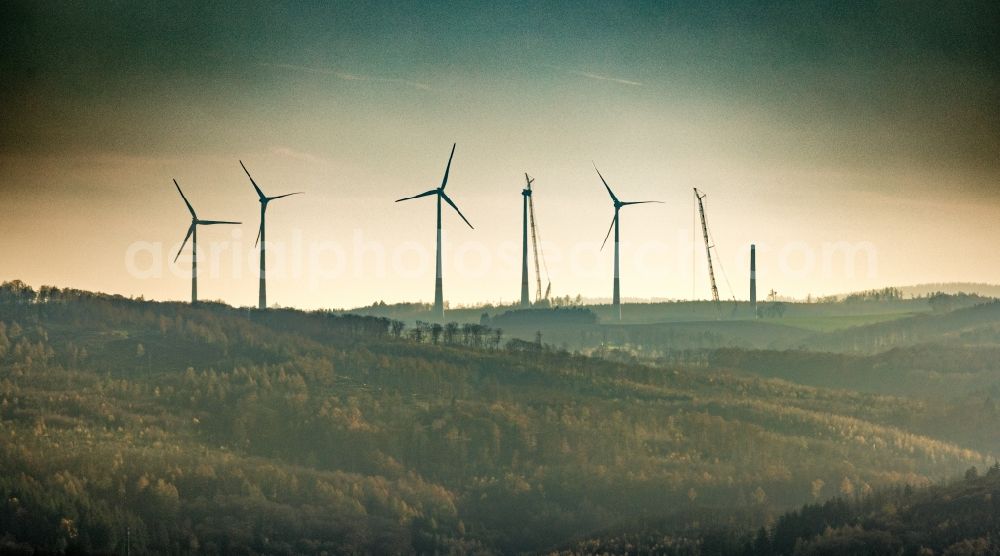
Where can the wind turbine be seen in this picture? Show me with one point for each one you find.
(264, 200)
(193, 236)
(616, 302)
(438, 293)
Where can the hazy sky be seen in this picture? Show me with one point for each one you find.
(815, 128)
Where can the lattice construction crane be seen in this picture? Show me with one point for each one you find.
(708, 250)
(535, 247)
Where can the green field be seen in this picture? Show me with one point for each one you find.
(658, 328)
(838, 322)
(676, 311)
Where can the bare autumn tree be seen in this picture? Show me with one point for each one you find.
(450, 332)
(417, 334)
(16, 292)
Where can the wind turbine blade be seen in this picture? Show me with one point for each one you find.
(606, 186)
(447, 169)
(609, 231)
(424, 194)
(259, 232)
(639, 202)
(186, 238)
(448, 200)
(210, 222)
(190, 208)
(285, 195)
(259, 192)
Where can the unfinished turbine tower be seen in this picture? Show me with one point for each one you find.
(753, 279)
(525, 194)
(708, 251)
(616, 305)
(439, 192)
(192, 234)
(261, 238)
(529, 220)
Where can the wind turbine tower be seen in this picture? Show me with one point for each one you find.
(616, 304)
(529, 221)
(192, 234)
(264, 200)
(439, 192)
(753, 279)
(526, 194)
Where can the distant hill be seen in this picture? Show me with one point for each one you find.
(213, 429)
(977, 324)
(538, 319)
(923, 290)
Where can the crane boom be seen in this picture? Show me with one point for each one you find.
(534, 245)
(708, 248)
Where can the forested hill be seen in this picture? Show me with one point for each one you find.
(176, 429)
(982, 289)
(960, 518)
